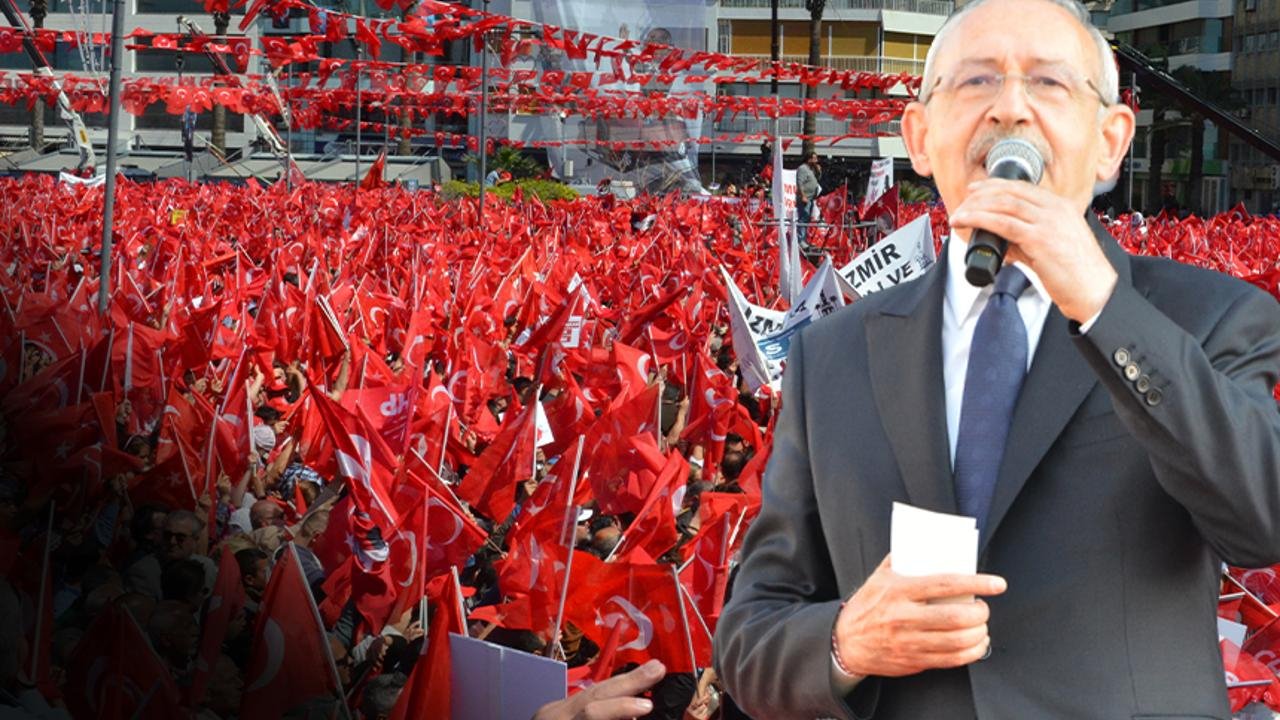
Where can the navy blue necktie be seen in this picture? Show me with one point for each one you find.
(997, 367)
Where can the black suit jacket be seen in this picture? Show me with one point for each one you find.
(1142, 455)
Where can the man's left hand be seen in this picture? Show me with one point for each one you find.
(1050, 235)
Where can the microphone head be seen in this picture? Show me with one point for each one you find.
(1015, 159)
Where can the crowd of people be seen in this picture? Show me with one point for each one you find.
(316, 430)
(218, 421)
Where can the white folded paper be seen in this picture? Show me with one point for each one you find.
(923, 542)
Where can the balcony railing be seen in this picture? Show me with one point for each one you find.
(793, 126)
(926, 7)
(859, 63)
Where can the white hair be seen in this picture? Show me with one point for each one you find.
(1108, 83)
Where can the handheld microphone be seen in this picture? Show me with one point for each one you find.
(1009, 159)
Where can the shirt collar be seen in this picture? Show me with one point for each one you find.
(961, 295)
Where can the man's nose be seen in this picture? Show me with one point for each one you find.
(1012, 105)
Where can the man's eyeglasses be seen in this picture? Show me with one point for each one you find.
(1049, 87)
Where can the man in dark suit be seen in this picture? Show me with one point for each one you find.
(1139, 449)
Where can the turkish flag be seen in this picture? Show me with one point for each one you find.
(538, 550)
(290, 665)
(432, 422)
(426, 694)
(53, 387)
(570, 414)
(654, 528)
(327, 339)
(490, 486)
(707, 575)
(1262, 582)
(233, 423)
(227, 599)
(372, 179)
(1242, 667)
(115, 675)
(177, 478)
(884, 211)
(452, 535)
(624, 456)
(633, 367)
(363, 459)
(645, 600)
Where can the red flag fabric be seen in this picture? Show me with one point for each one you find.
(363, 459)
(290, 665)
(538, 550)
(228, 598)
(426, 694)
(884, 211)
(115, 675)
(372, 179)
(645, 600)
(654, 528)
(1254, 680)
(706, 577)
(490, 485)
(624, 456)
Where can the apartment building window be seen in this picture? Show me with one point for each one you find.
(165, 62)
(1275, 40)
(157, 117)
(1272, 96)
(192, 7)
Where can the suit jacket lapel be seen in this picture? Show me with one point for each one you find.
(904, 348)
(1057, 383)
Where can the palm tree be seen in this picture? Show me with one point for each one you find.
(815, 8)
(410, 57)
(39, 9)
(218, 140)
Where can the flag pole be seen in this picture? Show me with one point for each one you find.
(697, 614)
(44, 582)
(457, 597)
(684, 619)
(568, 566)
(113, 138)
(324, 639)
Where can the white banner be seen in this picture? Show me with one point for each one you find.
(783, 194)
(749, 323)
(542, 428)
(492, 682)
(880, 181)
(68, 178)
(761, 354)
(820, 298)
(903, 255)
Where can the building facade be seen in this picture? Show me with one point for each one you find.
(154, 128)
(1255, 178)
(1228, 53)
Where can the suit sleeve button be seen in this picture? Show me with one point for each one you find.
(1143, 383)
(1154, 397)
(1132, 371)
(1121, 356)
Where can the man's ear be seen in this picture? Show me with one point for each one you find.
(1116, 130)
(915, 127)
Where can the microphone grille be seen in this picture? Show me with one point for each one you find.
(1020, 152)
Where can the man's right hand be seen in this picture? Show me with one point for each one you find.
(894, 625)
(617, 698)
